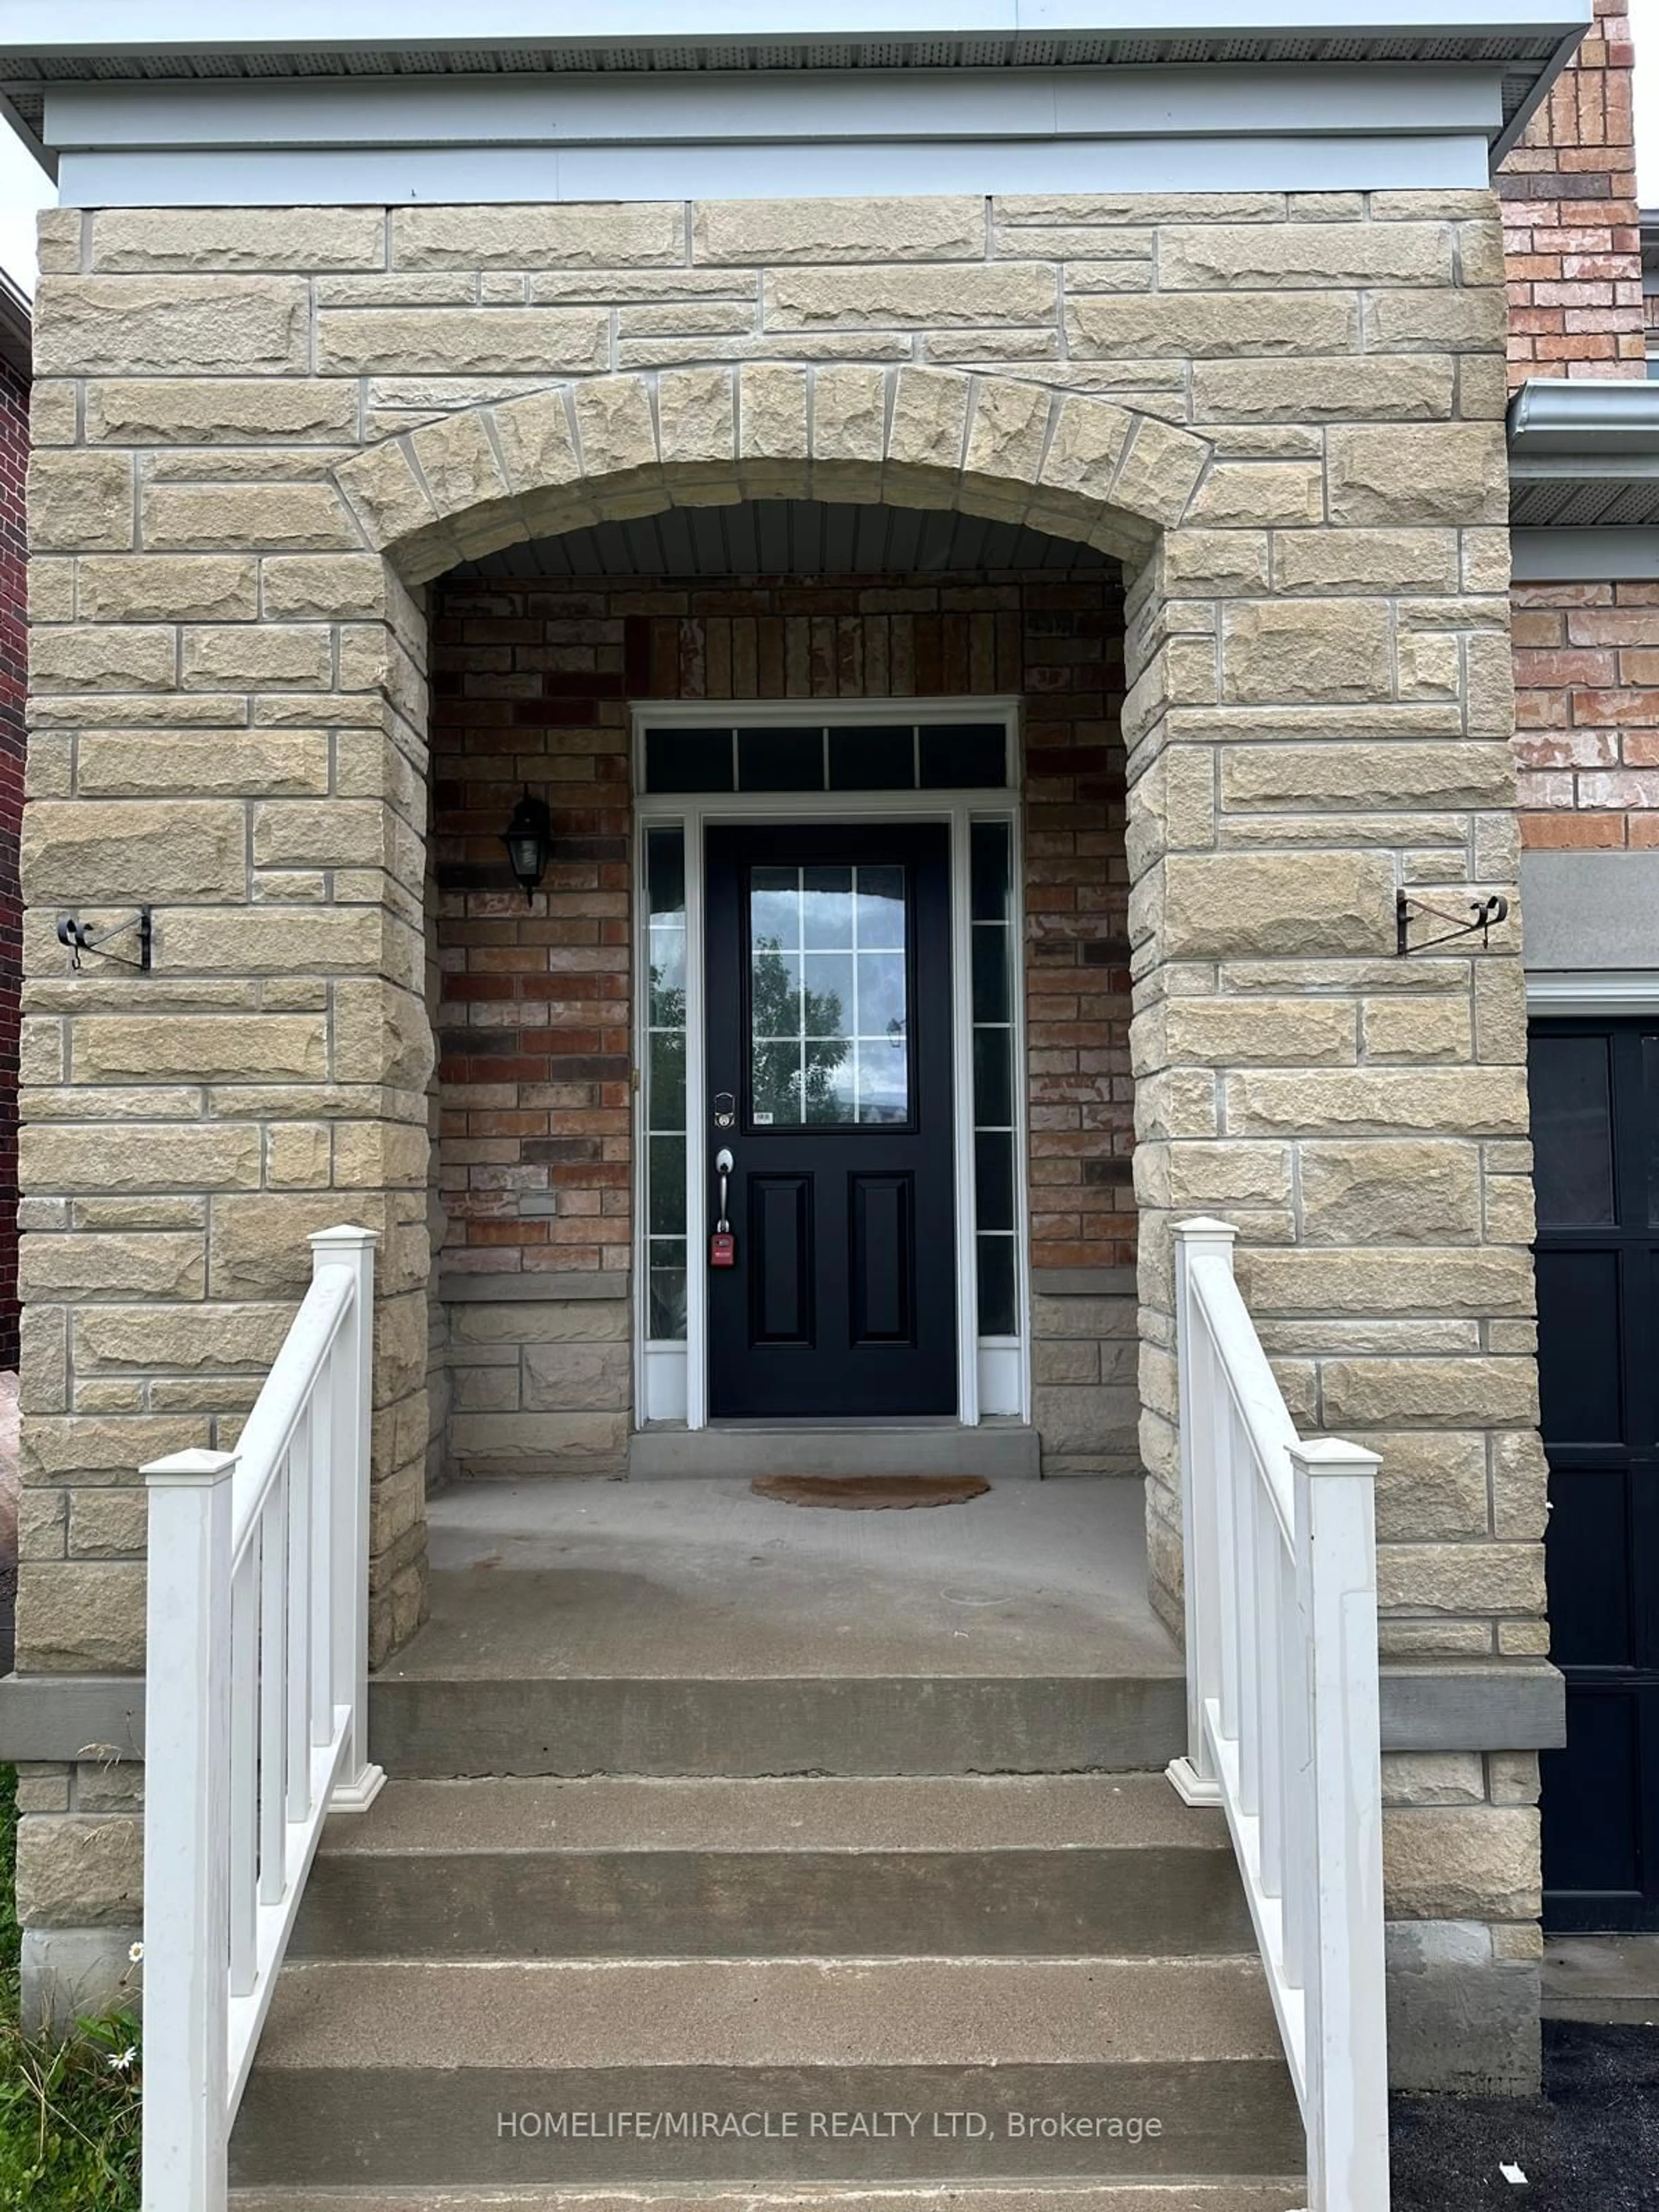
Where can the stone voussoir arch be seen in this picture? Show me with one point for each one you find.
(604, 448)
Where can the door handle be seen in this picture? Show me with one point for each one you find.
(723, 1245)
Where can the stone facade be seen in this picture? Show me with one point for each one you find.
(14, 686)
(261, 433)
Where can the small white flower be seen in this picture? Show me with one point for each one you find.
(121, 2062)
(136, 1953)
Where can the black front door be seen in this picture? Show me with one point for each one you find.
(1595, 1128)
(829, 1049)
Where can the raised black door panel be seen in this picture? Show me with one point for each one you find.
(1596, 1129)
(828, 1026)
(780, 1274)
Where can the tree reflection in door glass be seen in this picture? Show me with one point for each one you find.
(828, 1031)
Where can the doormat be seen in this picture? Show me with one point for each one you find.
(870, 1493)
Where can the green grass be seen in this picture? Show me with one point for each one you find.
(68, 2108)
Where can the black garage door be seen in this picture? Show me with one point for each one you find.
(1595, 1128)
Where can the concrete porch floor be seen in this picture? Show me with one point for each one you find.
(596, 1579)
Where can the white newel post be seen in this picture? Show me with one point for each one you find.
(1346, 1994)
(352, 1394)
(1194, 1776)
(187, 1832)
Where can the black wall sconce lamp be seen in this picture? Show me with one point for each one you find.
(528, 838)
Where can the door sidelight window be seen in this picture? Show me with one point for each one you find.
(664, 1085)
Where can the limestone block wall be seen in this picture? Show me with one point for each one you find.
(259, 431)
(14, 684)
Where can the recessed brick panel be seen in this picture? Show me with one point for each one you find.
(531, 689)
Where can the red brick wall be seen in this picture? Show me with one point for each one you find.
(531, 684)
(14, 665)
(1586, 655)
(1572, 245)
(1587, 713)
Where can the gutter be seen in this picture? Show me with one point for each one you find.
(1583, 455)
(1552, 419)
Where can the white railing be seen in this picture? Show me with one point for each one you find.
(1282, 1710)
(256, 1712)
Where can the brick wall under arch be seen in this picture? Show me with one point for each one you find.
(531, 685)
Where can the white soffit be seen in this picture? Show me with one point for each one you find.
(795, 538)
(411, 99)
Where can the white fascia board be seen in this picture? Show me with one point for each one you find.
(502, 175)
(1608, 555)
(103, 27)
(740, 108)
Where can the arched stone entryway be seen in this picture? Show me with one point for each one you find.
(1066, 464)
(607, 447)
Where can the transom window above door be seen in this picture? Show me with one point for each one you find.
(921, 755)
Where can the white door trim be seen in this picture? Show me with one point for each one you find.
(1000, 1362)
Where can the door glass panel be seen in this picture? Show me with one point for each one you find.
(827, 909)
(881, 993)
(997, 1311)
(774, 909)
(664, 1085)
(688, 760)
(873, 757)
(829, 998)
(849, 756)
(991, 873)
(829, 992)
(884, 1080)
(990, 972)
(963, 756)
(993, 1081)
(781, 759)
(829, 1091)
(881, 909)
(1572, 1129)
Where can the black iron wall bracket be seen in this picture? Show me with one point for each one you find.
(81, 937)
(1486, 913)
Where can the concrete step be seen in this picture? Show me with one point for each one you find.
(695, 2071)
(1000, 1451)
(955, 2197)
(1045, 1866)
(739, 1725)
